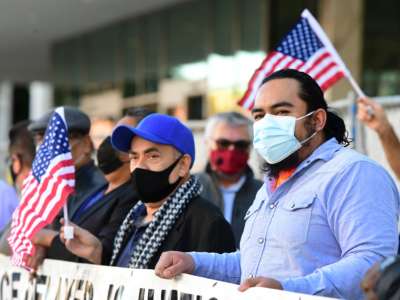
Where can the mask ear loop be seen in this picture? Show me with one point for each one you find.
(311, 136)
(305, 116)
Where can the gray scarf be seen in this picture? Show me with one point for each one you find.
(157, 230)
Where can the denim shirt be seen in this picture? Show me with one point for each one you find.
(318, 232)
(8, 203)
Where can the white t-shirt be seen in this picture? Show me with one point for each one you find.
(228, 194)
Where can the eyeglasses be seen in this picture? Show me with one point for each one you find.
(239, 145)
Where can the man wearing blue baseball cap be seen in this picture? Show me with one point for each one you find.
(170, 215)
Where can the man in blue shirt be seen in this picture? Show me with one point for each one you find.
(21, 151)
(325, 213)
(8, 203)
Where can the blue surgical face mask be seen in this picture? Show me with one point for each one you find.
(274, 137)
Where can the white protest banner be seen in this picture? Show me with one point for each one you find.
(58, 280)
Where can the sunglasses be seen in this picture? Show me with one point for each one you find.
(239, 145)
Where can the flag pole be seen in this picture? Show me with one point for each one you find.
(68, 229)
(355, 85)
(325, 40)
(66, 219)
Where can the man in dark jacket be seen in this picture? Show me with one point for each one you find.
(89, 180)
(103, 216)
(228, 180)
(170, 215)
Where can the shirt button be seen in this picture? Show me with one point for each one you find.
(260, 240)
(272, 206)
(251, 276)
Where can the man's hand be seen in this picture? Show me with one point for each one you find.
(378, 121)
(44, 237)
(369, 282)
(260, 282)
(373, 115)
(36, 260)
(84, 244)
(173, 263)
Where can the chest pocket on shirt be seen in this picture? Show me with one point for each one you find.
(249, 219)
(291, 221)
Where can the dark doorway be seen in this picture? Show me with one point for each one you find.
(195, 107)
(20, 108)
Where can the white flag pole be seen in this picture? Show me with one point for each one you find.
(65, 211)
(68, 229)
(327, 43)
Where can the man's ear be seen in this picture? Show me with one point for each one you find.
(320, 117)
(184, 165)
(16, 164)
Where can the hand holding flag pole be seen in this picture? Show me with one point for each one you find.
(45, 190)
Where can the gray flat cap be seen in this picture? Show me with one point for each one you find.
(77, 121)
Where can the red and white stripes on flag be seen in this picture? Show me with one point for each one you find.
(45, 190)
(305, 48)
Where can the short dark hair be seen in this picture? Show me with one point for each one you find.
(139, 113)
(21, 142)
(311, 93)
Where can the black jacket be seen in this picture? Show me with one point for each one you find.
(102, 220)
(89, 180)
(201, 227)
(243, 198)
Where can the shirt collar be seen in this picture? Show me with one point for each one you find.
(324, 152)
(234, 188)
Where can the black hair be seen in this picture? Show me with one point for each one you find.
(139, 113)
(388, 285)
(21, 142)
(311, 93)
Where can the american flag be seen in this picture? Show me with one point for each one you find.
(305, 48)
(45, 190)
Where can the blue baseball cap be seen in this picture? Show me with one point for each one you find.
(159, 129)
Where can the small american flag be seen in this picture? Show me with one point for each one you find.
(305, 48)
(45, 190)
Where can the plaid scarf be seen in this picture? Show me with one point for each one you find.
(157, 230)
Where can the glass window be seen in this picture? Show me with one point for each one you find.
(381, 56)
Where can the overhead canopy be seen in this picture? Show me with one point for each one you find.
(27, 29)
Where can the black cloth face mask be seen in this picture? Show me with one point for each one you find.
(153, 186)
(107, 157)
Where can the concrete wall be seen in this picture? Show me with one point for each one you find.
(343, 21)
(5, 122)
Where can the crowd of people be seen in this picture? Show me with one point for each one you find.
(323, 220)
